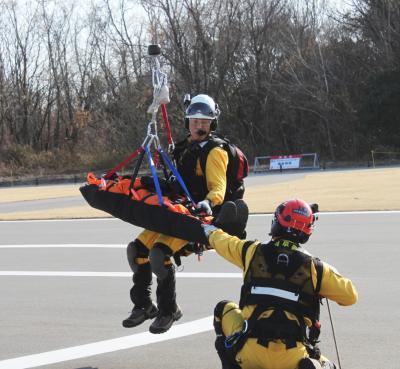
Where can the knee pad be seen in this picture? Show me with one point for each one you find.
(219, 308)
(218, 313)
(159, 254)
(224, 307)
(135, 250)
(228, 318)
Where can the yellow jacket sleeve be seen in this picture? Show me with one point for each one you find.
(216, 166)
(335, 287)
(231, 247)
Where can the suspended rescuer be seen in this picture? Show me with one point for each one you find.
(275, 325)
(205, 163)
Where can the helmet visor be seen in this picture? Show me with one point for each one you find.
(200, 110)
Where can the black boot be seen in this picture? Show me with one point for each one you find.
(226, 215)
(169, 311)
(139, 315)
(140, 295)
(164, 321)
(232, 218)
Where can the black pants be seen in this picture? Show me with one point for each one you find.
(140, 292)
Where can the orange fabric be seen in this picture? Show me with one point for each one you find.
(120, 186)
(138, 193)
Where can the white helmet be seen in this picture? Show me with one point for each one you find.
(202, 107)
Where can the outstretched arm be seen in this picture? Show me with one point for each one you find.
(229, 247)
(336, 287)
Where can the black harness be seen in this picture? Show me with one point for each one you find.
(278, 280)
(186, 155)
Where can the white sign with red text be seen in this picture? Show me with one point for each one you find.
(284, 162)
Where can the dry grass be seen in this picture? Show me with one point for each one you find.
(12, 194)
(84, 211)
(372, 189)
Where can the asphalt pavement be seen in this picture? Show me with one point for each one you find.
(43, 204)
(64, 288)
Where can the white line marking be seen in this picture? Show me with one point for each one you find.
(34, 273)
(102, 347)
(366, 212)
(72, 245)
(60, 220)
(251, 215)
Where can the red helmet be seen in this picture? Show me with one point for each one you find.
(294, 219)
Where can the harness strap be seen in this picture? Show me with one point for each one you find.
(244, 252)
(162, 163)
(175, 173)
(177, 259)
(137, 167)
(277, 326)
(155, 177)
(315, 329)
(167, 124)
(319, 267)
(123, 163)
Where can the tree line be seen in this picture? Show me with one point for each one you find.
(289, 76)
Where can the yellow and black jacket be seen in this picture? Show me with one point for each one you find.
(282, 286)
(203, 167)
